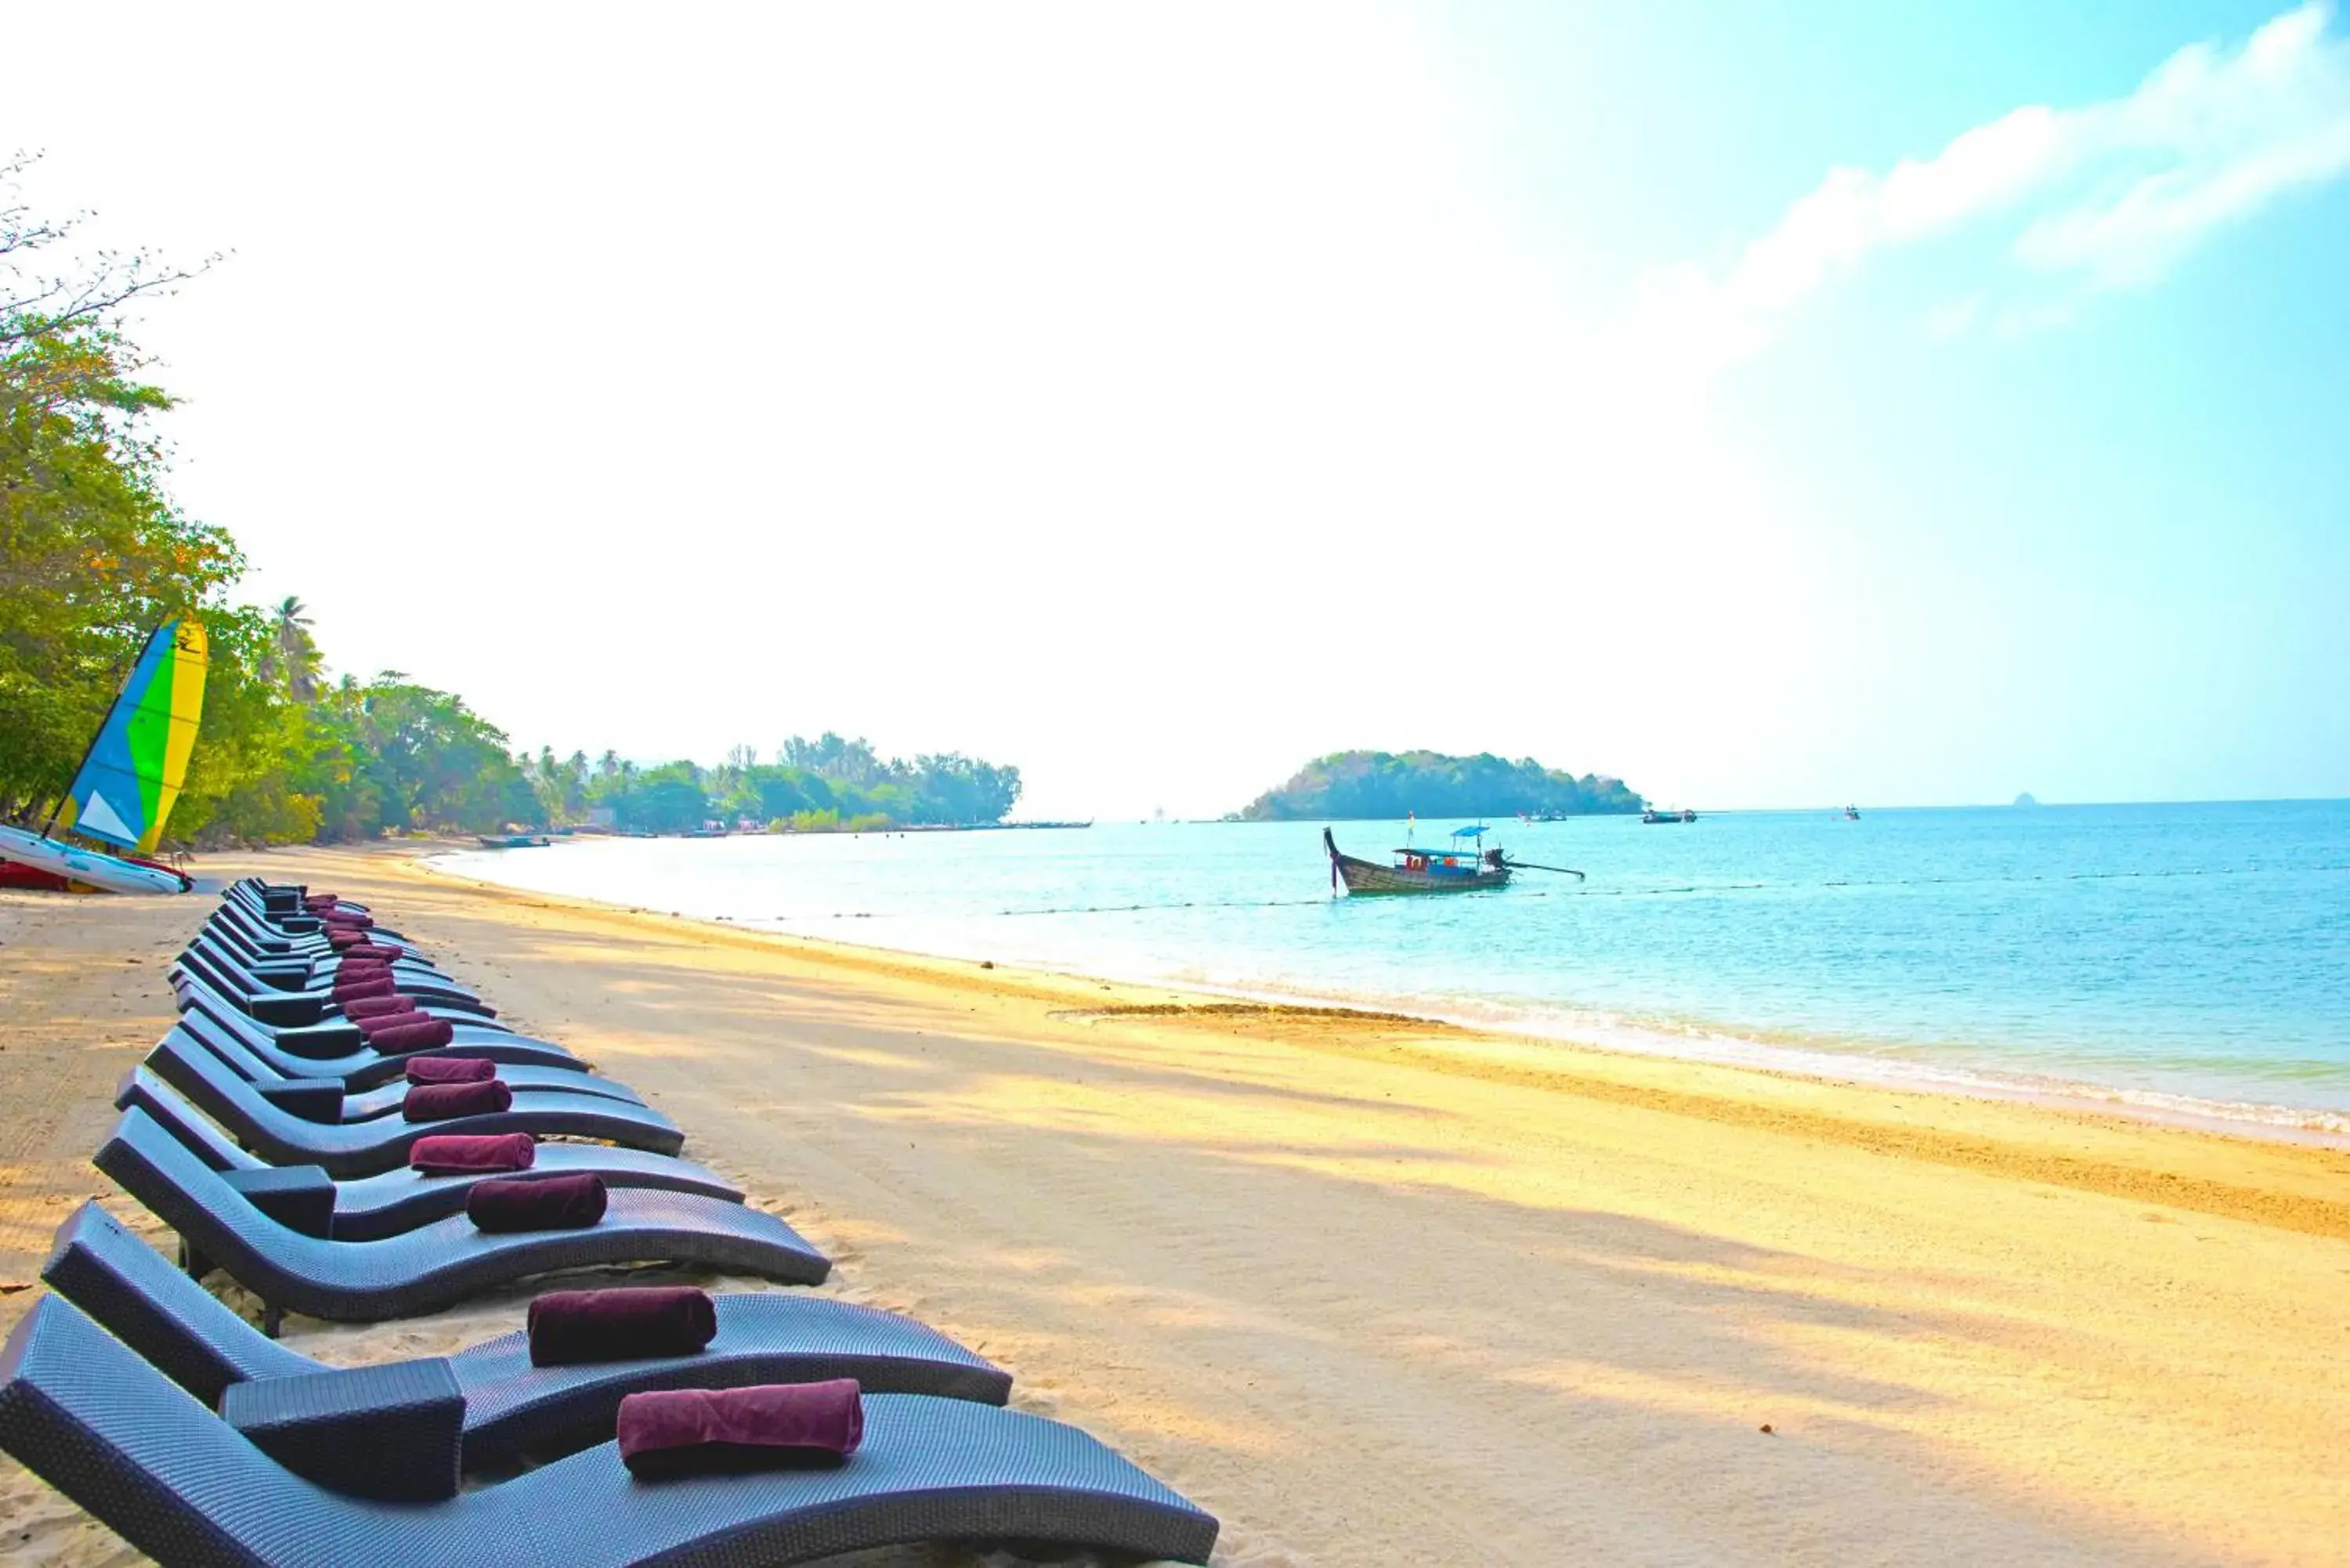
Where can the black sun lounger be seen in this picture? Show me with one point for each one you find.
(512, 1406)
(348, 1056)
(299, 1002)
(385, 1097)
(81, 1410)
(365, 1148)
(370, 1207)
(434, 1265)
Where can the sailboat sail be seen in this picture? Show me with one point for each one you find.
(127, 783)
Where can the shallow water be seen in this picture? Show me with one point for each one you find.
(2193, 957)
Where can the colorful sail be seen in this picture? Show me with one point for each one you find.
(127, 786)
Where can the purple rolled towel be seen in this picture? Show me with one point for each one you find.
(365, 948)
(370, 1028)
(535, 1203)
(571, 1326)
(429, 1034)
(375, 983)
(451, 1069)
(472, 1154)
(693, 1432)
(431, 1102)
(374, 1004)
(343, 940)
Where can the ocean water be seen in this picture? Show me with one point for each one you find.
(2192, 960)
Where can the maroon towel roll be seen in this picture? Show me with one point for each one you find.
(377, 1004)
(370, 1028)
(364, 949)
(430, 1102)
(379, 985)
(691, 1431)
(451, 1069)
(343, 942)
(320, 901)
(571, 1326)
(335, 920)
(428, 1035)
(472, 1154)
(534, 1203)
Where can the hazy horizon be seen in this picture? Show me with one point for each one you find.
(1769, 410)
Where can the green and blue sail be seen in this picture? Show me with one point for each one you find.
(127, 783)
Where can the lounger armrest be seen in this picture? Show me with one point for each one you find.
(312, 1099)
(299, 1197)
(394, 1432)
(288, 1009)
(290, 976)
(321, 1043)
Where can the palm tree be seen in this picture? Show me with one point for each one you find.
(293, 658)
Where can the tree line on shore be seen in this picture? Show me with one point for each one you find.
(95, 555)
(1390, 785)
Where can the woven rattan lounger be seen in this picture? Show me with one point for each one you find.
(423, 1270)
(370, 1207)
(299, 994)
(384, 1095)
(333, 1050)
(80, 1409)
(364, 1149)
(512, 1406)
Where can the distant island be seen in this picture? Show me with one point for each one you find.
(1386, 785)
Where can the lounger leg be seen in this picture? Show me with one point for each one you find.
(195, 1263)
(273, 1318)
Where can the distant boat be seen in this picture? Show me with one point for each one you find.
(512, 840)
(1653, 816)
(1852, 814)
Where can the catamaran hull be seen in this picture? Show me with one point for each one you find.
(86, 866)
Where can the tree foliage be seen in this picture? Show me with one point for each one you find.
(94, 556)
(1386, 785)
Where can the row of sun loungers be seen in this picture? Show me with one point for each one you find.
(279, 1129)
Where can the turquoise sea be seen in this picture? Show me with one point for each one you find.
(2189, 960)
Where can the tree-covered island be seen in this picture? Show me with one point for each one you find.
(1385, 785)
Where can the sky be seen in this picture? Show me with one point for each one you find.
(1770, 406)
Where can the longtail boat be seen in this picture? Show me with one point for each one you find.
(1459, 870)
(1653, 816)
(1465, 867)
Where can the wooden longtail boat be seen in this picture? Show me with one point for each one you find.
(1652, 816)
(1462, 870)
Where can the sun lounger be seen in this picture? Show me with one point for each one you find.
(423, 1270)
(369, 1207)
(512, 1406)
(346, 1051)
(368, 1066)
(299, 994)
(364, 1149)
(383, 1097)
(80, 1409)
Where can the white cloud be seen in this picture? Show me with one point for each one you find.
(2112, 193)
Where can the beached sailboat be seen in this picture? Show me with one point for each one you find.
(1465, 867)
(130, 778)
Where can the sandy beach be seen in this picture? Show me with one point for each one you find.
(1381, 1292)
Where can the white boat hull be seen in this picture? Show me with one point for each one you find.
(87, 866)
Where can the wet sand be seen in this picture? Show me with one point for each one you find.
(1383, 1292)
